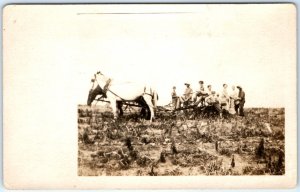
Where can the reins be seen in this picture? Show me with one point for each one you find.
(116, 94)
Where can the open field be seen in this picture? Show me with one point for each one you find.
(177, 145)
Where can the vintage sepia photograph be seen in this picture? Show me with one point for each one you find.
(194, 93)
(149, 96)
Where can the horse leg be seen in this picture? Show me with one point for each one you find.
(144, 112)
(141, 101)
(119, 106)
(148, 100)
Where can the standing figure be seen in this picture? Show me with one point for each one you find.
(233, 106)
(224, 98)
(175, 98)
(241, 98)
(187, 96)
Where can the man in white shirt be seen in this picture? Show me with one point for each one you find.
(188, 94)
(209, 91)
(212, 98)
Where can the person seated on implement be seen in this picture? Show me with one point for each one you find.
(213, 100)
(200, 95)
(187, 96)
(209, 91)
(209, 95)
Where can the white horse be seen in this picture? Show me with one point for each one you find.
(120, 92)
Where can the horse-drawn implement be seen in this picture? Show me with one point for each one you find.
(189, 110)
(132, 97)
(192, 111)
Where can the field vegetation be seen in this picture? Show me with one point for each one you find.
(180, 144)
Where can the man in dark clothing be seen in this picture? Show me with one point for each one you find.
(242, 101)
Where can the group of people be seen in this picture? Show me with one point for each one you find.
(232, 101)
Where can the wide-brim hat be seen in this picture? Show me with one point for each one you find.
(187, 84)
(239, 87)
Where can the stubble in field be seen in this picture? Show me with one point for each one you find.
(176, 145)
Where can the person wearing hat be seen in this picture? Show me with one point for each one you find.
(175, 98)
(188, 94)
(201, 91)
(241, 98)
(200, 95)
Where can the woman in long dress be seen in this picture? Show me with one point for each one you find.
(233, 98)
(224, 98)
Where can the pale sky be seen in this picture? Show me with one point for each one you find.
(249, 45)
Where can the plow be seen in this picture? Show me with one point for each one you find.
(189, 111)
